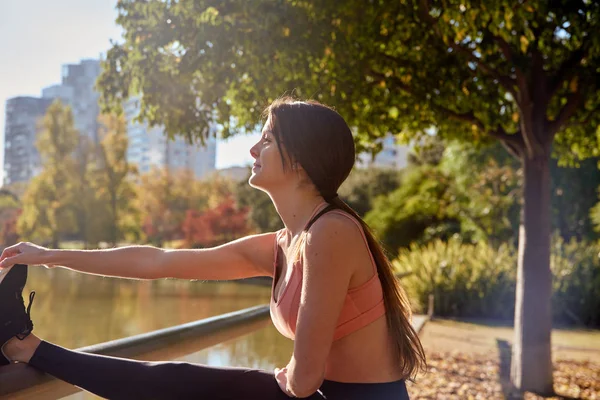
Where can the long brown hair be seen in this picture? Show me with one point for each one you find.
(317, 137)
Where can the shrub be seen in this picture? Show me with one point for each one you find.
(479, 281)
(466, 280)
(576, 281)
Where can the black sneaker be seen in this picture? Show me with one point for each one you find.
(15, 321)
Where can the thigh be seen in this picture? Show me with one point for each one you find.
(253, 384)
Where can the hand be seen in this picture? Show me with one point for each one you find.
(281, 378)
(24, 253)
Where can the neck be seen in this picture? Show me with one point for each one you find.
(295, 208)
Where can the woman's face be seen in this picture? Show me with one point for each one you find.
(267, 171)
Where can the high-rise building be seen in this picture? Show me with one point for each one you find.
(77, 90)
(150, 147)
(21, 158)
(392, 155)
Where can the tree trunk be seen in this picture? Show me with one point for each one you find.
(531, 368)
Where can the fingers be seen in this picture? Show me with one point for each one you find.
(10, 261)
(11, 251)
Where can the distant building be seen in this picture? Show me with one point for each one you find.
(21, 158)
(77, 90)
(393, 155)
(150, 147)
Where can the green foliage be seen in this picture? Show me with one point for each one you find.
(477, 280)
(10, 207)
(573, 197)
(415, 212)
(262, 215)
(114, 184)
(467, 68)
(363, 186)
(576, 281)
(485, 188)
(47, 204)
(466, 280)
(87, 208)
(164, 198)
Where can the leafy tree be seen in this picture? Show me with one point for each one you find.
(114, 182)
(213, 190)
(364, 185)
(524, 73)
(485, 189)
(215, 226)
(164, 197)
(162, 204)
(10, 208)
(262, 215)
(87, 208)
(416, 212)
(573, 198)
(47, 203)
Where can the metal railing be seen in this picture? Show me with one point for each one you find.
(19, 381)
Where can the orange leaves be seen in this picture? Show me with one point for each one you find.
(215, 226)
(468, 376)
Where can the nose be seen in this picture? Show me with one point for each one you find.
(254, 150)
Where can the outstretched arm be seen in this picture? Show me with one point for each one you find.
(242, 258)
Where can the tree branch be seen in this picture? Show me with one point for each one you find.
(513, 143)
(393, 78)
(567, 68)
(586, 121)
(574, 101)
(507, 82)
(509, 55)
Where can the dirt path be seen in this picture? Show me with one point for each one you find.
(483, 337)
(470, 360)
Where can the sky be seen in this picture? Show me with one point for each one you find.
(38, 36)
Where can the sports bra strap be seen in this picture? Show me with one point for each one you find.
(323, 211)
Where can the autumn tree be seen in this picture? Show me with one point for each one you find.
(215, 226)
(521, 72)
(86, 206)
(47, 203)
(164, 197)
(10, 209)
(114, 180)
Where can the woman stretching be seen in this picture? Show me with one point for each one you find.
(334, 292)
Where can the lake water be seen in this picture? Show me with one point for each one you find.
(76, 310)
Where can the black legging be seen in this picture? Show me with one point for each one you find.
(118, 378)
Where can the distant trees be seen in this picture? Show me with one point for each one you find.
(215, 226)
(81, 185)
(113, 181)
(48, 202)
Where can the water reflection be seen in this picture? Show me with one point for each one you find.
(75, 310)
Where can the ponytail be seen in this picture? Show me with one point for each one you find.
(408, 348)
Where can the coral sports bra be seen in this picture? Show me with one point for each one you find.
(363, 304)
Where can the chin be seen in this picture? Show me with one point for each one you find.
(254, 181)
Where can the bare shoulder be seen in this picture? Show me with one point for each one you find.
(335, 232)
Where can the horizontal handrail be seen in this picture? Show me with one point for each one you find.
(19, 381)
